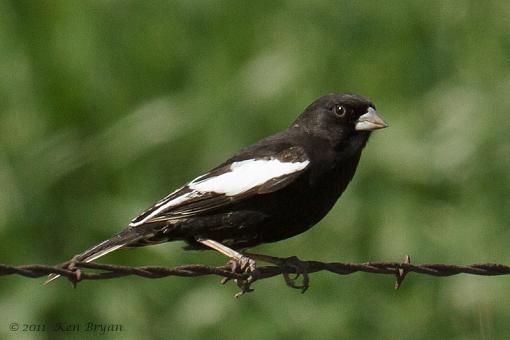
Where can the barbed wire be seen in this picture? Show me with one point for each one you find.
(245, 279)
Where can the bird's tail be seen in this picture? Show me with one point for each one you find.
(118, 241)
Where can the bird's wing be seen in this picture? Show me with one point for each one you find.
(244, 175)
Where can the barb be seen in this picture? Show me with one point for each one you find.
(97, 271)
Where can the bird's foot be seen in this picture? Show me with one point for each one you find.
(247, 266)
(287, 266)
(301, 269)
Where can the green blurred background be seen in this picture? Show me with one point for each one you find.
(106, 106)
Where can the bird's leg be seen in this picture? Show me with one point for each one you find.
(293, 262)
(239, 262)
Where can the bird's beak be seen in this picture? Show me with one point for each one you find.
(370, 121)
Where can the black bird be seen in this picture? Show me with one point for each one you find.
(269, 191)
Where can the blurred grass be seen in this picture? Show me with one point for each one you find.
(106, 106)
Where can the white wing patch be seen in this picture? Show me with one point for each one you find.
(241, 177)
(168, 204)
(246, 175)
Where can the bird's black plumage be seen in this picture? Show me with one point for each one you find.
(269, 191)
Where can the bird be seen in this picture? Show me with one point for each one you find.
(272, 190)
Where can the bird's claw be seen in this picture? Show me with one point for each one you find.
(301, 269)
(247, 266)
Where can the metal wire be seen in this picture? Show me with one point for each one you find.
(97, 271)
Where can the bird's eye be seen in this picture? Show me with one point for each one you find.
(340, 110)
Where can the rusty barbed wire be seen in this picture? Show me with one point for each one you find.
(398, 269)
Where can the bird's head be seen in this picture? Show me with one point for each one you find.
(340, 118)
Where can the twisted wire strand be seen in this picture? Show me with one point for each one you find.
(98, 271)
